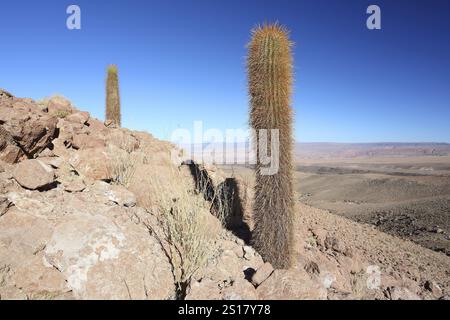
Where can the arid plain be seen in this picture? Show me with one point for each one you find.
(401, 189)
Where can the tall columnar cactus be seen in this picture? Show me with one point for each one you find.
(269, 65)
(112, 97)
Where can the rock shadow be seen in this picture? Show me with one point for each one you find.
(226, 203)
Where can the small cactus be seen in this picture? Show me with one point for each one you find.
(112, 97)
(269, 66)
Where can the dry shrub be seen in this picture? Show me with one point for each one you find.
(44, 101)
(122, 166)
(61, 114)
(123, 160)
(189, 230)
(124, 139)
(358, 283)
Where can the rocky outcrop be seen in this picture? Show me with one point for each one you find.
(31, 128)
(82, 245)
(225, 276)
(64, 232)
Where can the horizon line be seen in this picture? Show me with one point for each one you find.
(331, 142)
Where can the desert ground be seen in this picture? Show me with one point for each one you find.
(406, 197)
(401, 189)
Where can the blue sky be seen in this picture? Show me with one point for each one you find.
(181, 61)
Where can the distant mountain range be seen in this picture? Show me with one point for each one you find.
(380, 149)
(320, 150)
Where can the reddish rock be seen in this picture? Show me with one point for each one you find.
(9, 153)
(96, 125)
(74, 186)
(33, 174)
(59, 106)
(80, 117)
(84, 141)
(92, 163)
(32, 129)
(262, 274)
(69, 178)
(9, 150)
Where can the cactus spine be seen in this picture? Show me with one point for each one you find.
(269, 67)
(113, 97)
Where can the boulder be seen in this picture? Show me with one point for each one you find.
(69, 178)
(262, 274)
(121, 196)
(77, 185)
(79, 117)
(9, 153)
(96, 125)
(84, 141)
(29, 127)
(102, 260)
(33, 174)
(249, 252)
(47, 153)
(59, 106)
(92, 163)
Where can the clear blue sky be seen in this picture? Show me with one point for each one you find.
(181, 61)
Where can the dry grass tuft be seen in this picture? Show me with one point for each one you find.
(61, 114)
(189, 229)
(122, 166)
(123, 160)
